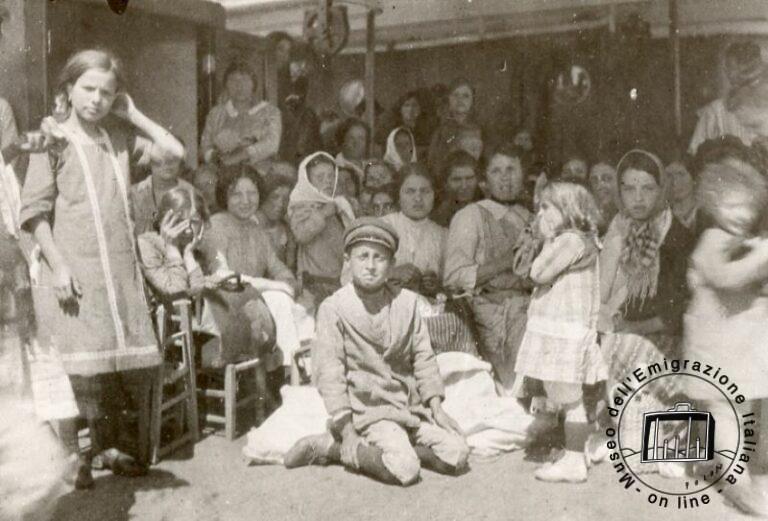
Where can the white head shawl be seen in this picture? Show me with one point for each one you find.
(306, 192)
(392, 156)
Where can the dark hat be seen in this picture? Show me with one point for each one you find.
(371, 229)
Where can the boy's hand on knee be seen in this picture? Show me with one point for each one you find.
(350, 440)
(442, 419)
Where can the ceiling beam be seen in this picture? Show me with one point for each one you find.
(202, 12)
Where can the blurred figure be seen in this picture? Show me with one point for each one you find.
(301, 126)
(683, 194)
(411, 112)
(743, 65)
(284, 170)
(469, 138)
(604, 188)
(459, 113)
(34, 467)
(271, 215)
(378, 174)
(524, 140)
(383, 202)
(32, 463)
(459, 186)
(575, 167)
(165, 174)
(727, 318)
(205, 181)
(353, 138)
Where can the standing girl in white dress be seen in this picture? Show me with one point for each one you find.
(560, 342)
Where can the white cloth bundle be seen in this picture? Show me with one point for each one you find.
(493, 424)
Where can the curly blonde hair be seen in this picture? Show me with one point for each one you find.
(575, 203)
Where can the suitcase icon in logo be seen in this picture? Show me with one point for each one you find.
(691, 435)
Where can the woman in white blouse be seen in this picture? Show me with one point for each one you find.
(419, 257)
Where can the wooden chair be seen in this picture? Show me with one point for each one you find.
(175, 389)
(231, 395)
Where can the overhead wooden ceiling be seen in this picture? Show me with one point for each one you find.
(414, 23)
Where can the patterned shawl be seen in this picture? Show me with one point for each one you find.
(630, 259)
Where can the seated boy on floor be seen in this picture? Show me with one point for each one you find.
(374, 366)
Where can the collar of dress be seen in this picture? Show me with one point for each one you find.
(233, 113)
(497, 209)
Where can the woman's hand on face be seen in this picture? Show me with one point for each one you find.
(172, 226)
(189, 249)
(123, 107)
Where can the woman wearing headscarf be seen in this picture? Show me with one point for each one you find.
(317, 217)
(401, 148)
(459, 114)
(643, 278)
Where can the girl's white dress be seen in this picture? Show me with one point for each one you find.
(560, 341)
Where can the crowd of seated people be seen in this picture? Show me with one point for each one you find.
(438, 216)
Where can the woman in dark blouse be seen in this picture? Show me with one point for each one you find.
(643, 280)
(645, 257)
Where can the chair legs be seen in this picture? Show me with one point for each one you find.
(261, 393)
(229, 395)
(230, 401)
(157, 413)
(182, 406)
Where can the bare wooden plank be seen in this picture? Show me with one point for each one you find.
(370, 76)
(674, 38)
(200, 12)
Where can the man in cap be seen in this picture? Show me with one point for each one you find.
(376, 371)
